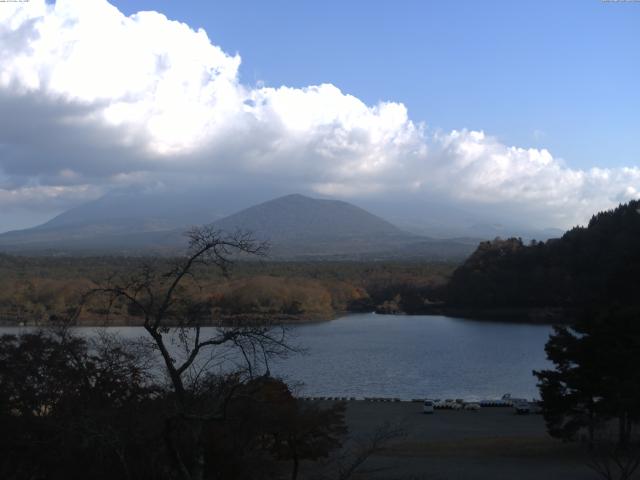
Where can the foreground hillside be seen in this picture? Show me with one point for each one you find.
(597, 264)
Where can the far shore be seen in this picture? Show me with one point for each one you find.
(542, 316)
(222, 321)
(537, 315)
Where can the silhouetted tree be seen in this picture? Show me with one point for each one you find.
(70, 408)
(172, 313)
(570, 392)
(596, 378)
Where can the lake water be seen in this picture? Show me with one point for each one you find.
(410, 357)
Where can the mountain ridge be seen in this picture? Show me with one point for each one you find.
(296, 226)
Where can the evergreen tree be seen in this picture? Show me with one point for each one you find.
(596, 378)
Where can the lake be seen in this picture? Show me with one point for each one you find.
(410, 357)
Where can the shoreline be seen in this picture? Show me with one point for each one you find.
(536, 316)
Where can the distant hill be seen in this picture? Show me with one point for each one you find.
(146, 211)
(297, 227)
(300, 227)
(121, 222)
(596, 264)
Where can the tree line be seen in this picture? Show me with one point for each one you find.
(598, 264)
(35, 289)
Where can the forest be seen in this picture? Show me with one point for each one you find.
(594, 265)
(34, 290)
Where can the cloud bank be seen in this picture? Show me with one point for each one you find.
(92, 99)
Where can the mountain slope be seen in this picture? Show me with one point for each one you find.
(296, 218)
(301, 227)
(121, 221)
(296, 227)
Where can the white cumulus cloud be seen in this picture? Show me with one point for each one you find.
(91, 98)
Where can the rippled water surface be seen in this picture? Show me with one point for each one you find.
(417, 356)
(412, 357)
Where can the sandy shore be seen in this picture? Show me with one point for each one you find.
(493, 443)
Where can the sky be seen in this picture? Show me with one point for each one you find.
(515, 109)
(546, 74)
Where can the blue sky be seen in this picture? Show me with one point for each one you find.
(508, 110)
(548, 74)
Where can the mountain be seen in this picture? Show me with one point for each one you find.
(434, 218)
(148, 211)
(299, 224)
(123, 222)
(297, 227)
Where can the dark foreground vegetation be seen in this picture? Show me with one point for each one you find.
(72, 408)
(592, 395)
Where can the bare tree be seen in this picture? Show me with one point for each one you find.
(173, 316)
